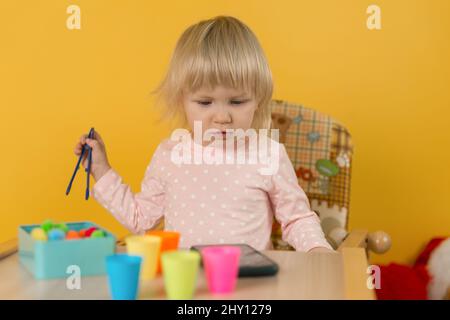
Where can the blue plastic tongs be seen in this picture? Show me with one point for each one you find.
(88, 149)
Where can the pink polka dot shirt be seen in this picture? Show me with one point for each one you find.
(214, 203)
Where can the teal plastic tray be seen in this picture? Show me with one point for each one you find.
(51, 259)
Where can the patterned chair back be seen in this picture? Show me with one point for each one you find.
(321, 153)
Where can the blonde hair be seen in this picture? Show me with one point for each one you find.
(218, 51)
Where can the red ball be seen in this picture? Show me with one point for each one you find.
(89, 231)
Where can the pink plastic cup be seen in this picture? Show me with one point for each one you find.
(221, 264)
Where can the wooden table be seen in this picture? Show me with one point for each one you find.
(339, 275)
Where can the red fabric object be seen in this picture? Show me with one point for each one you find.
(422, 259)
(400, 282)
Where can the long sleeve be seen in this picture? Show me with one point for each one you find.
(137, 212)
(300, 225)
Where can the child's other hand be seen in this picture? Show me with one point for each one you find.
(100, 164)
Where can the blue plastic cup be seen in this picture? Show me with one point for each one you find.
(123, 276)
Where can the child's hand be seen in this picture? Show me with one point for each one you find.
(100, 164)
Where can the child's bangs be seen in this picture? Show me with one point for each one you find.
(215, 68)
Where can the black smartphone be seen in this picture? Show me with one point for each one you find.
(252, 263)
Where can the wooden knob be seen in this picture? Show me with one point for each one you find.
(379, 242)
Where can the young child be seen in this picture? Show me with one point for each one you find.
(219, 77)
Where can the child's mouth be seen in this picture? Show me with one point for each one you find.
(220, 134)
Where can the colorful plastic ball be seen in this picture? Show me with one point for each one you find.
(98, 234)
(56, 234)
(82, 233)
(89, 231)
(39, 234)
(61, 226)
(47, 225)
(72, 234)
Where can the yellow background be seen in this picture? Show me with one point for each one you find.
(389, 87)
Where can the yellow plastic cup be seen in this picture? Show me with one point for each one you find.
(169, 241)
(180, 273)
(148, 248)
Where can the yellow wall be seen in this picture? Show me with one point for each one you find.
(390, 87)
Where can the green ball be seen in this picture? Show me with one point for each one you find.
(97, 234)
(62, 226)
(47, 225)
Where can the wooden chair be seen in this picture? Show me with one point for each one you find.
(321, 150)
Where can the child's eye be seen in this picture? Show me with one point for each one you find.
(204, 103)
(238, 102)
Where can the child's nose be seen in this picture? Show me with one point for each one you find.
(222, 116)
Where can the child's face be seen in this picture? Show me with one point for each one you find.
(221, 108)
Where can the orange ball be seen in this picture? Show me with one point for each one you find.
(72, 234)
(82, 233)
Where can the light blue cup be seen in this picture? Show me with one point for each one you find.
(123, 276)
